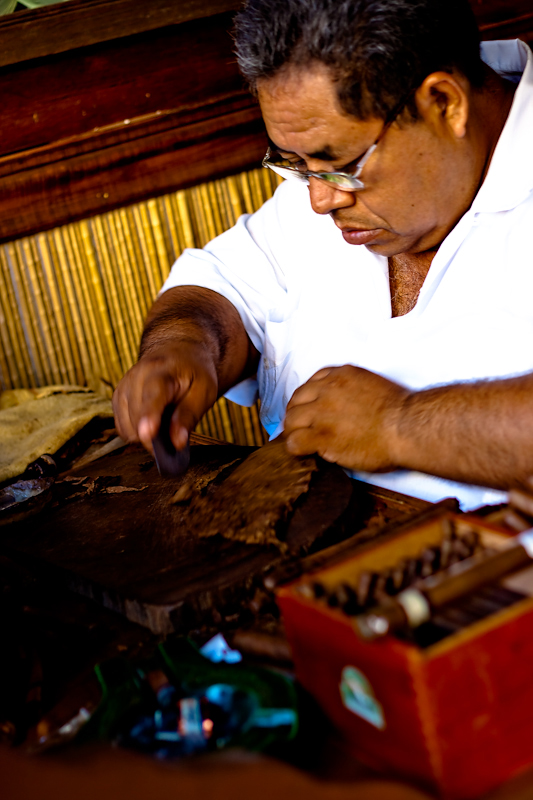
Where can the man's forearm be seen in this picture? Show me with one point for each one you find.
(205, 318)
(478, 433)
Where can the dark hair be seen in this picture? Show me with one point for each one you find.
(378, 51)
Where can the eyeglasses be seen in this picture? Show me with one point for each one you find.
(346, 182)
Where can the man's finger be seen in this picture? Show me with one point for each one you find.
(301, 442)
(201, 395)
(159, 392)
(123, 422)
(148, 429)
(300, 416)
(322, 373)
(308, 393)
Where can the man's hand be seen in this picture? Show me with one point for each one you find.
(194, 347)
(182, 375)
(348, 416)
(479, 432)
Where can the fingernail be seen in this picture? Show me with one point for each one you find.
(289, 445)
(181, 438)
(144, 429)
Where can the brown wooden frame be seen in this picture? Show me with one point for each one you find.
(142, 105)
(80, 23)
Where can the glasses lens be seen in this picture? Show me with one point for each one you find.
(286, 172)
(345, 182)
(286, 169)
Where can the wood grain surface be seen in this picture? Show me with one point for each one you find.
(98, 127)
(113, 533)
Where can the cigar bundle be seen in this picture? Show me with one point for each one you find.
(438, 591)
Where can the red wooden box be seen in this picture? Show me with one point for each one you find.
(457, 716)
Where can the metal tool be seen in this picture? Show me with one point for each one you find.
(109, 447)
(29, 493)
(170, 462)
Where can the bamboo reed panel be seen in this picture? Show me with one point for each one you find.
(73, 300)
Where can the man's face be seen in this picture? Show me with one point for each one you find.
(418, 182)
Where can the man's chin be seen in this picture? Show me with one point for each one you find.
(385, 249)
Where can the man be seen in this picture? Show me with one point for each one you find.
(385, 308)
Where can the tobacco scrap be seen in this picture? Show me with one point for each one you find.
(120, 489)
(193, 483)
(72, 487)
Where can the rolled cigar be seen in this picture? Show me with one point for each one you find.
(319, 589)
(381, 586)
(461, 548)
(398, 577)
(471, 539)
(445, 552)
(365, 587)
(413, 606)
(412, 571)
(347, 598)
(430, 559)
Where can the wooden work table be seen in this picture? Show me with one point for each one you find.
(61, 635)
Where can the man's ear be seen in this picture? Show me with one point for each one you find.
(442, 99)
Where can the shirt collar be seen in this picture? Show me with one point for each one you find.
(509, 179)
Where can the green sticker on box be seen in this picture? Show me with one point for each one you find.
(358, 696)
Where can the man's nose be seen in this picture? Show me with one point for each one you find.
(326, 198)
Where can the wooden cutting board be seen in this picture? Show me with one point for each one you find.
(109, 532)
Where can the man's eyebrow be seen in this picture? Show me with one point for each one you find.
(322, 155)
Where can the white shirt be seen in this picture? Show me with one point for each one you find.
(309, 300)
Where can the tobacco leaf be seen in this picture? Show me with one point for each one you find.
(253, 502)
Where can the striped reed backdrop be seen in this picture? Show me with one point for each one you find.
(73, 299)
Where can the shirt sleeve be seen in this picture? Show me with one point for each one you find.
(246, 263)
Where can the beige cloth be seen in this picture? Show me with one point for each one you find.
(37, 421)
